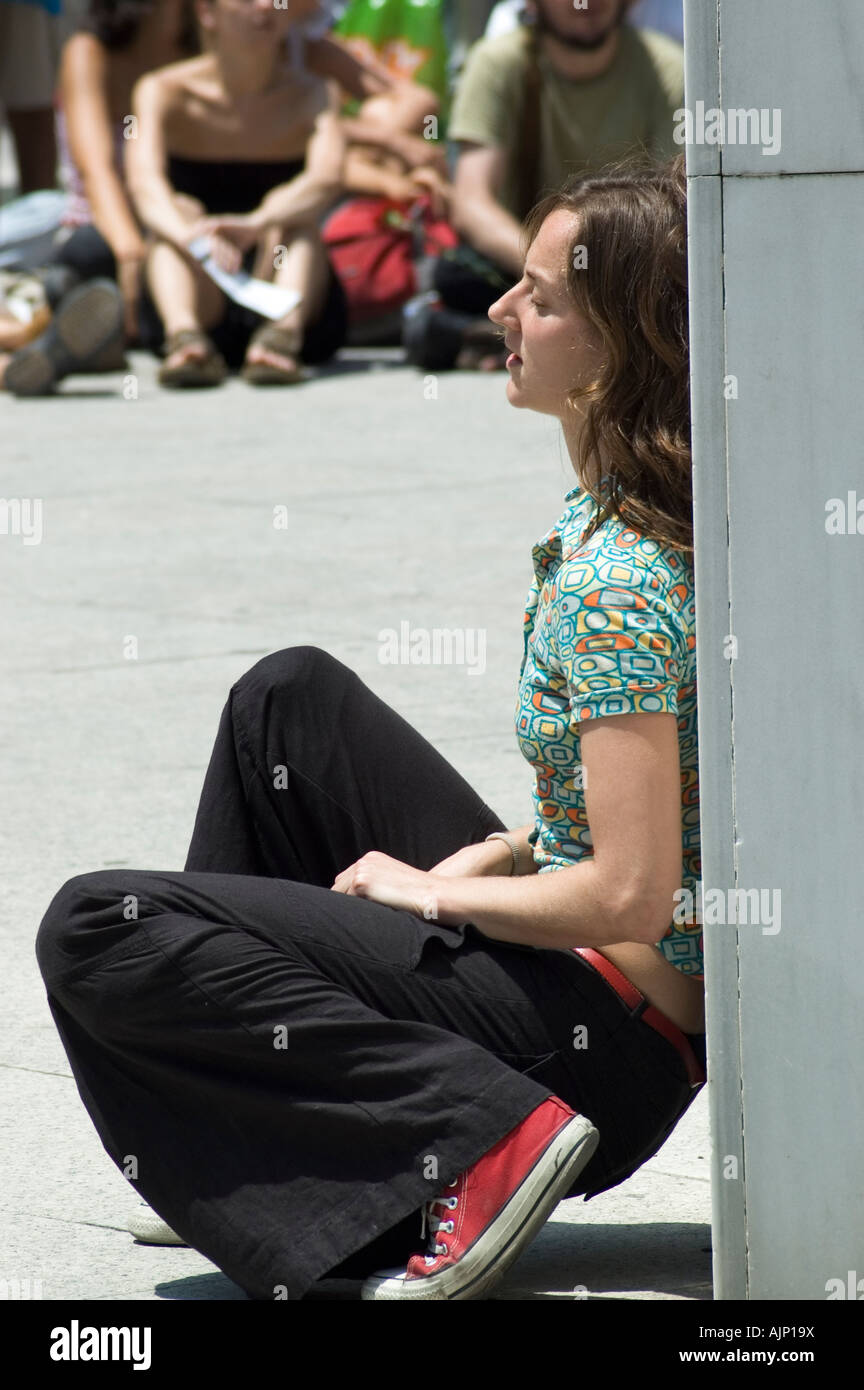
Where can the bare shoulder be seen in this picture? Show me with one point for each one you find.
(84, 57)
(301, 95)
(176, 79)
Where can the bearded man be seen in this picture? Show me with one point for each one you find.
(565, 92)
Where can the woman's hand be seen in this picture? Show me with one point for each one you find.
(228, 238)
(417, 152)
(130, 279)
(428, 180)
(384, 880)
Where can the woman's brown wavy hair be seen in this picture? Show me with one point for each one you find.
(632, 222)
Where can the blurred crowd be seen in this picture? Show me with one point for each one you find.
(251, 185)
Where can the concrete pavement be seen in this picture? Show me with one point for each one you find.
(184, 535)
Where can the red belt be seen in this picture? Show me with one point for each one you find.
(653, 1017)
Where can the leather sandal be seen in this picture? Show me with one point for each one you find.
(87, 322)
(481, 342)
(209, 370)
(287, 342)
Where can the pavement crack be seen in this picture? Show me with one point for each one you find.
(37, 1071)
(140, 661)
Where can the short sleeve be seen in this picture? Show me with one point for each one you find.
(483, 105)
(617, 638)
(668, 96)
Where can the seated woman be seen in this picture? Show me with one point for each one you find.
(364, 1001)
(238, 131)
(245, 146)
(120, 40)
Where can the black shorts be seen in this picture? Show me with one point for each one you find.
(322, 338)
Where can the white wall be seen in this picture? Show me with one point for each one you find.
(777, 301)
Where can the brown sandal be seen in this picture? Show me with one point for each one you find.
(481, 342)
(209, 370)
(287, 342)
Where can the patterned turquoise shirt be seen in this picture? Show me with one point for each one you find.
(609, 629)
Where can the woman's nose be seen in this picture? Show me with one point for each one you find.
(501, 309)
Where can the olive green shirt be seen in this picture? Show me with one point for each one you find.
(583, 124)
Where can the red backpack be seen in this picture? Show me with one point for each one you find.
(374, 244)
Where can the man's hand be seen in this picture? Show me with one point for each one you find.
(382, 879)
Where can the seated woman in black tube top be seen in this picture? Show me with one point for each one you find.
(240, 147)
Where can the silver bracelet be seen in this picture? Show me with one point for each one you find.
(511, 845)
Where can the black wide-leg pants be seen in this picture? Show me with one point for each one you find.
(287, 1073)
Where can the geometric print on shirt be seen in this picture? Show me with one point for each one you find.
(609, 628)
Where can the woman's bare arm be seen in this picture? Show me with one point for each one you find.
(360, 77)
(490, 857)
(395, 110)
(309, 195)
(147, 160)
(624, 892)
(84, 95)
(297, 203)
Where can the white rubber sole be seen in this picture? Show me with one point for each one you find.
(515, 1226)
(150, 1229)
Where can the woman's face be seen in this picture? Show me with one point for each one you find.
(553, 346)
(252, 21)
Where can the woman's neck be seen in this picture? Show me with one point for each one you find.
(243, 72)
(572, 425)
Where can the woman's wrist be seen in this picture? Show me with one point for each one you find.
(130, 251)
(478, 860)
(519, 847)
(522, 861)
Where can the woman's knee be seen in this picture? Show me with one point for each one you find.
(89, 914)
(189, 207)
(291, 671)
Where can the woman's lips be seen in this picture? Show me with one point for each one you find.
(512, 360)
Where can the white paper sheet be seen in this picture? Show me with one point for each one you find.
(273, 301)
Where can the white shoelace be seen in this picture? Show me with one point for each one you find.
(432, 1222)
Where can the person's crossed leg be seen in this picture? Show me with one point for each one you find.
(192, 306)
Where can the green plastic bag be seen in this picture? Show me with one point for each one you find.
(405, 36)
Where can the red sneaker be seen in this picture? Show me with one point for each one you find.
(494, 1209)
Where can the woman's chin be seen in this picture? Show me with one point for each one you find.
(514, 371)
(515, 392)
